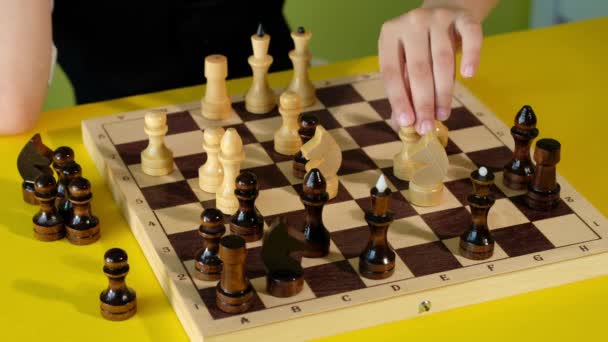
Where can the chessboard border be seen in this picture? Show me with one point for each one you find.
(344, 312)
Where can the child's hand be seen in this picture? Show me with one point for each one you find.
(417, 55)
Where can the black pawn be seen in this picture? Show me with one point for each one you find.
(543, 191)
(48, 225)
(61, 156)
(207, 263)
(308, 125)
(519, 170)
(83, 227)
(477, 242)
(316, 236)
(70, 171)
(118, 302)
(247, 221)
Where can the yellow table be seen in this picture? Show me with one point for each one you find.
(50, 290)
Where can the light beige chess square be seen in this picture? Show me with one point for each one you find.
(264, 129)
(315, 106)
(125, 131)
(259, 284)
(200, 284)
(372, 89)
(383, 154)
(255, 156)
(499, 181)
(286, 168)
(359, 184)
(456, 103)
(355, 114)
(474, 139)
(181, 218)
(565, 230)
(257, 243)
(343, 139)
(278, 200)
(453, 245)
(504, 214)
(343, 215)
(204, 123)
(200, 194)
(460, 167)
(401, 272)
(448, 201)
(184, 144)
(410, 231)
(333, 256)
(144, 180)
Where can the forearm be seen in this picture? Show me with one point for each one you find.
(25, 61)
(478, 8)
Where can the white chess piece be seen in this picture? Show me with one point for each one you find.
(325, 154)
(231, 156)
(403, 165)
(156, 159)
(260, 98)
(300, 58)
(287, 140)
(216, 104)
(426, 184)
(211, 174)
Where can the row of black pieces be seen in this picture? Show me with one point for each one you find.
(520, 173)
(65, 205)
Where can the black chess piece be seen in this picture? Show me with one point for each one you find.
(207, 263)
(48, 225)
(519, 170)
(61, 156)
(308, 124)
(315, 236)
(33, 160)
(247, 221)
(117, 302)
(284, 273)
(543, 191)
(234, 293)
(477, 242)
(83, 226)
(68, 172)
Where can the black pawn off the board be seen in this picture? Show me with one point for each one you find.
(83, 226)
(477, 242)
(117, 302)
(315, 236)
(518, 171)
(377, 261)
(543, 191)
(70, 171)
(308, 125)
(207, 263)
(247, 221)
(48, 225)
(234, 293)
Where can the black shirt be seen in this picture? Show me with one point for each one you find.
(117, 48)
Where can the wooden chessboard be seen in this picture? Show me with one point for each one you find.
(533, 249)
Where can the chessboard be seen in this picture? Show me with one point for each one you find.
(430, 274)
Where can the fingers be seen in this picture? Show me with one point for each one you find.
(442, 50)
(471, 35)
(392, 60)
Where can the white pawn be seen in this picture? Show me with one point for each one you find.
(211, 174)
(300, 58)
(260, 98)
(403, 165)
(156, 159)
(216, 104)
(287, 140)
(231, 156)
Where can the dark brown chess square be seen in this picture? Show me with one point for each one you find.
(295, 219)
(169, 195)
(246, 136)
(208, 297)
(354, 161)
(333, 278)
(343, 194)
(494, 158)
(462, 188)
(461, 118)
(130, 153)
(428, 258)
(372, 133)
(181, 122)
(521, 239)
(448, 223)
(451, 148)
(382, 107)
(326, 119)
(254, 265)
(269, 176)
(338, 95)
(189, 165)
(276, 157)
(239, 108)
(398, 183)
(399, 205)
(351, 242)
(185, 244)
(534, 215)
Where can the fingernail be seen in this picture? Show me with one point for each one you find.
(405, 120)
(425, 127)
(468, 71)
(442, 113)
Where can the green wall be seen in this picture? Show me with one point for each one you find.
(342, 29)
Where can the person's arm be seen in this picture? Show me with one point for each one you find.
(25, 62)
(417, 57)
